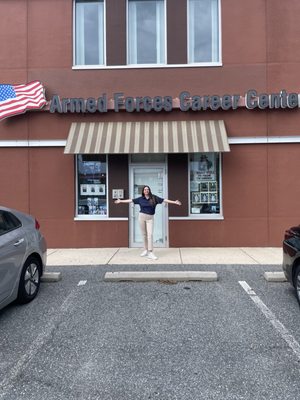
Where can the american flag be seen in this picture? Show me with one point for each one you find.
(17, 99)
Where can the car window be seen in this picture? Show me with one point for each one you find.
(8, 222)
(2, 224)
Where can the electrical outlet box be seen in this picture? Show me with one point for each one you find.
(118, 194)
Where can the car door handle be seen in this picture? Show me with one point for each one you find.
(19, 242)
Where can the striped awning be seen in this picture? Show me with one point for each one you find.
(147, 137)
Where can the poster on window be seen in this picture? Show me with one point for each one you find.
(194, 186)
(95, 207)
(208, 192)
(206, 168)
(90, 169)
(196, 197)
(92, 189)
(213, 198)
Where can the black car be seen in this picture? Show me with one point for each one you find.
(291, 257)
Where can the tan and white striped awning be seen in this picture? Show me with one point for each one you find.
(147, 137)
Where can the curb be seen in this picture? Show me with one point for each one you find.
(175, 276)
(275, 277)
(51, 277)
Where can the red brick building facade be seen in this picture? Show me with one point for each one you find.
(156, 92)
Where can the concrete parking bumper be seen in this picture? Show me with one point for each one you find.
(275, 277)
(51, 277)
(175, 276)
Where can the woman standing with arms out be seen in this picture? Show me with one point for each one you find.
(147, 203)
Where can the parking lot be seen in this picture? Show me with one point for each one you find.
(84, 338)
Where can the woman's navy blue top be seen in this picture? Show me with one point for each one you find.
(146, 207)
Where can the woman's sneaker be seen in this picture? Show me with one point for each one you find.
(144, 253)
(151, 256)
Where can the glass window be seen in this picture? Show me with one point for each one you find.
(89, 32)
(146, 32)
(12, 221)
(203, 31)
(92, 185)
(204, 183)
(8, 222)
(148, 158)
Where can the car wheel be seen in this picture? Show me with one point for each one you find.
(296, 281)
(30, 280)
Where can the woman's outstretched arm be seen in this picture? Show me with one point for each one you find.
(177, 202)
(118, 201)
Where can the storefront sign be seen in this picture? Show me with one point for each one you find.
(185, 102)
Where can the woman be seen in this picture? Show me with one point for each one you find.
(147, 203)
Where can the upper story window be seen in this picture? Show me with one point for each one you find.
(146, 32)
(89, 32)
(203, 31)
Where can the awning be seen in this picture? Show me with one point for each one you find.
(147, 137)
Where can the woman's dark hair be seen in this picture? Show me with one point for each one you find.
(151, 196)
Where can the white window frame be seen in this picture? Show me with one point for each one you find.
(149, 66)
(212, 63)
(87, 217)
(87, 66)
(218, 216)
(156, 65)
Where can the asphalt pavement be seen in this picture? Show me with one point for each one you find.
(85, 338)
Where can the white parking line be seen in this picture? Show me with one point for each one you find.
(81, 283)
(290, 340)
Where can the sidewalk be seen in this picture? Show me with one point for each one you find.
(181, 256)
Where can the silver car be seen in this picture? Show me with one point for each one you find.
(23, 254)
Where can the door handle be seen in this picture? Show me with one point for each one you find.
(18, 242)
(132, 212)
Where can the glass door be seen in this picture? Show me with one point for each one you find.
(155, 178)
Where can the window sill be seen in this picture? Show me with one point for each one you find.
(191, 218)
(98, 218)
(208, 217)
(143, 66)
